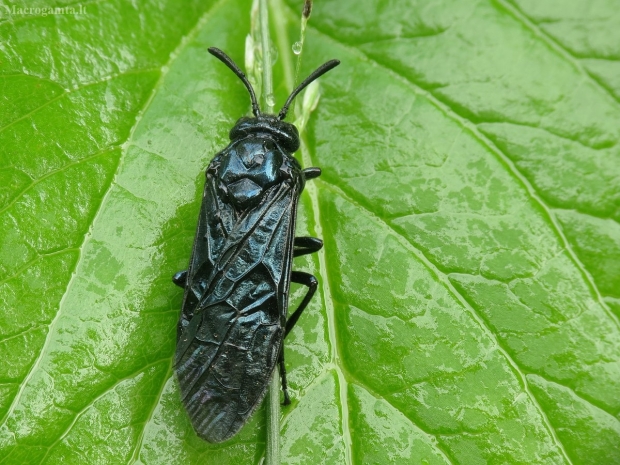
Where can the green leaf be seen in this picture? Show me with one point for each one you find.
(469, 203)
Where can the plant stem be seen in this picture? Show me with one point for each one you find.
(266, 56)
(272, 448)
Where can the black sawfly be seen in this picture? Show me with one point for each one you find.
(234, 315)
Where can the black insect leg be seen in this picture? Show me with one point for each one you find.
(306, 279)
(302, 246)
(306, 245)
(287, 399)
(180, 278)
(312, 172)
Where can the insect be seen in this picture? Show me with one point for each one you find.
(233, 320)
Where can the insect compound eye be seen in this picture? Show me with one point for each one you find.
(288, 137)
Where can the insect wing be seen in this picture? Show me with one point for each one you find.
(235, 306)
(215, 223)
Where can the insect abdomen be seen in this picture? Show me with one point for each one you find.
(228, 392)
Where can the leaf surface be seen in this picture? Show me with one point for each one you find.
(469, 203)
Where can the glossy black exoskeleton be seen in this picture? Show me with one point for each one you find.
(234, 316)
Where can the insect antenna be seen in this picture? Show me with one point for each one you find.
(216, 52)
(320, 71)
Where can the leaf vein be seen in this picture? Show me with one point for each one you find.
(502, 157)
(99, 396)
(466, 304)
(34, 182)
(163, 72)
(564, 52)
(433, 438)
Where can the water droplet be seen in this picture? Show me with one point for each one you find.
(297, 46)
(270, 99)
(273, 51)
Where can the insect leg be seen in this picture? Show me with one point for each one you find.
(307, 280)
(312, 172)
(287, 399)
(180, 278)
(306, 245)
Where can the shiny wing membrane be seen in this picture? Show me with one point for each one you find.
(232, 323)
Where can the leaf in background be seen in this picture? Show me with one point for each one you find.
(469, 206)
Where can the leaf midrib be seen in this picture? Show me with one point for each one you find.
(312, 192)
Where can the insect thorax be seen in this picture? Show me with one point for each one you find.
(248, 167)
